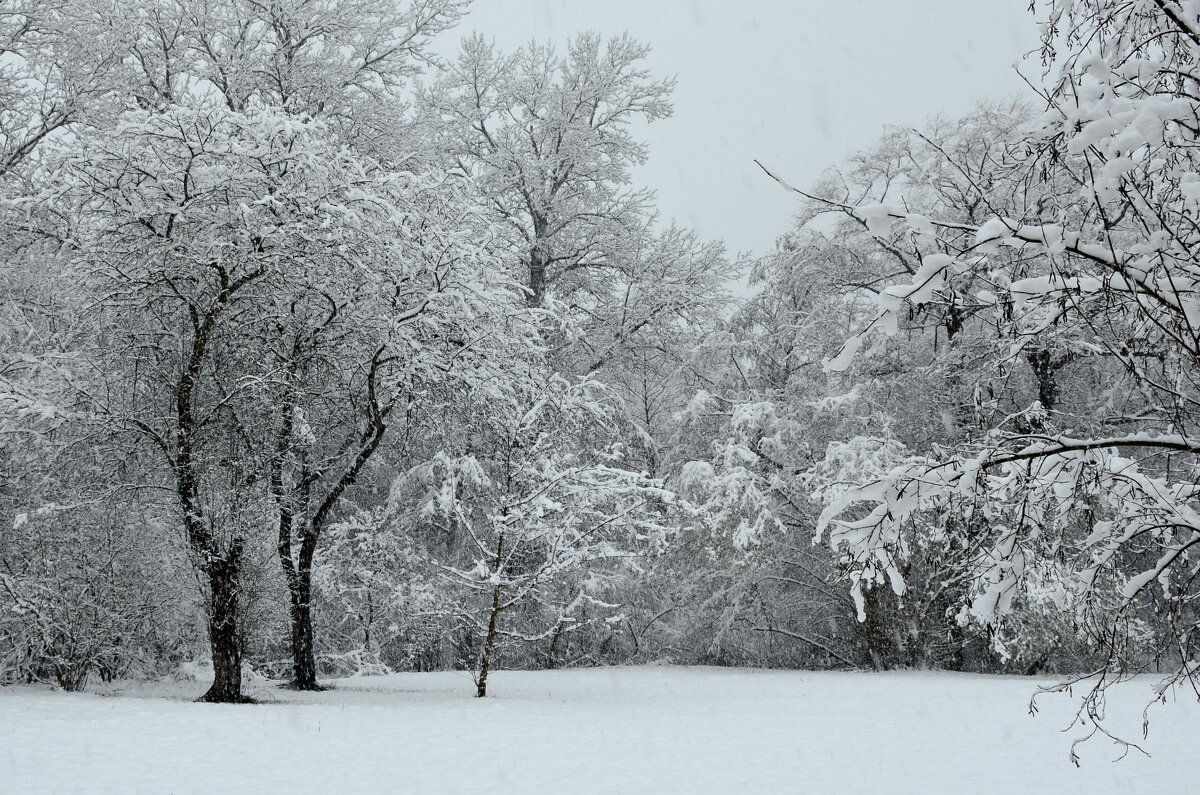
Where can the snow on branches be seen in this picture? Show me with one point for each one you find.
(546, 517)
(1106, 262)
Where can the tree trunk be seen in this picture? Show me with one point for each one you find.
(293, 512)
(304, 663)
(876, 631)
(224, 588)
(370, 622)
(1045, 371)
(489, 643)
(552, 652)
(537, 274)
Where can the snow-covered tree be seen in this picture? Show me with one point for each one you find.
(549, 138)
(1119, 271)
(334, 59)
(360, 347)
(275, 297)
(547, 517)
(86, 588)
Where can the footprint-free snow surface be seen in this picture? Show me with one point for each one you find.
(652, 729)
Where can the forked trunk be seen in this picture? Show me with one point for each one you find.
(294, 519)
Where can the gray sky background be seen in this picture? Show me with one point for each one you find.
(796, 84)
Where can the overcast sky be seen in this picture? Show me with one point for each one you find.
(797, 84)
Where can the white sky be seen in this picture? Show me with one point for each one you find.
(797, 84)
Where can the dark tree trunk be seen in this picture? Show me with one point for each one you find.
(293, 518)
(1045, 371)
(552, 652)
(370, 622)
(222, 567)
(224, 581)
(489, 641)
(304, 662)
(489, 645)
(298, 575)
(538, 260)
(876, 631)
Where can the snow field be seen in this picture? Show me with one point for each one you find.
(615, 730)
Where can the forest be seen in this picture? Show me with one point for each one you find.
(323, 355)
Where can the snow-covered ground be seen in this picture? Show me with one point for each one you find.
(651, 729)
